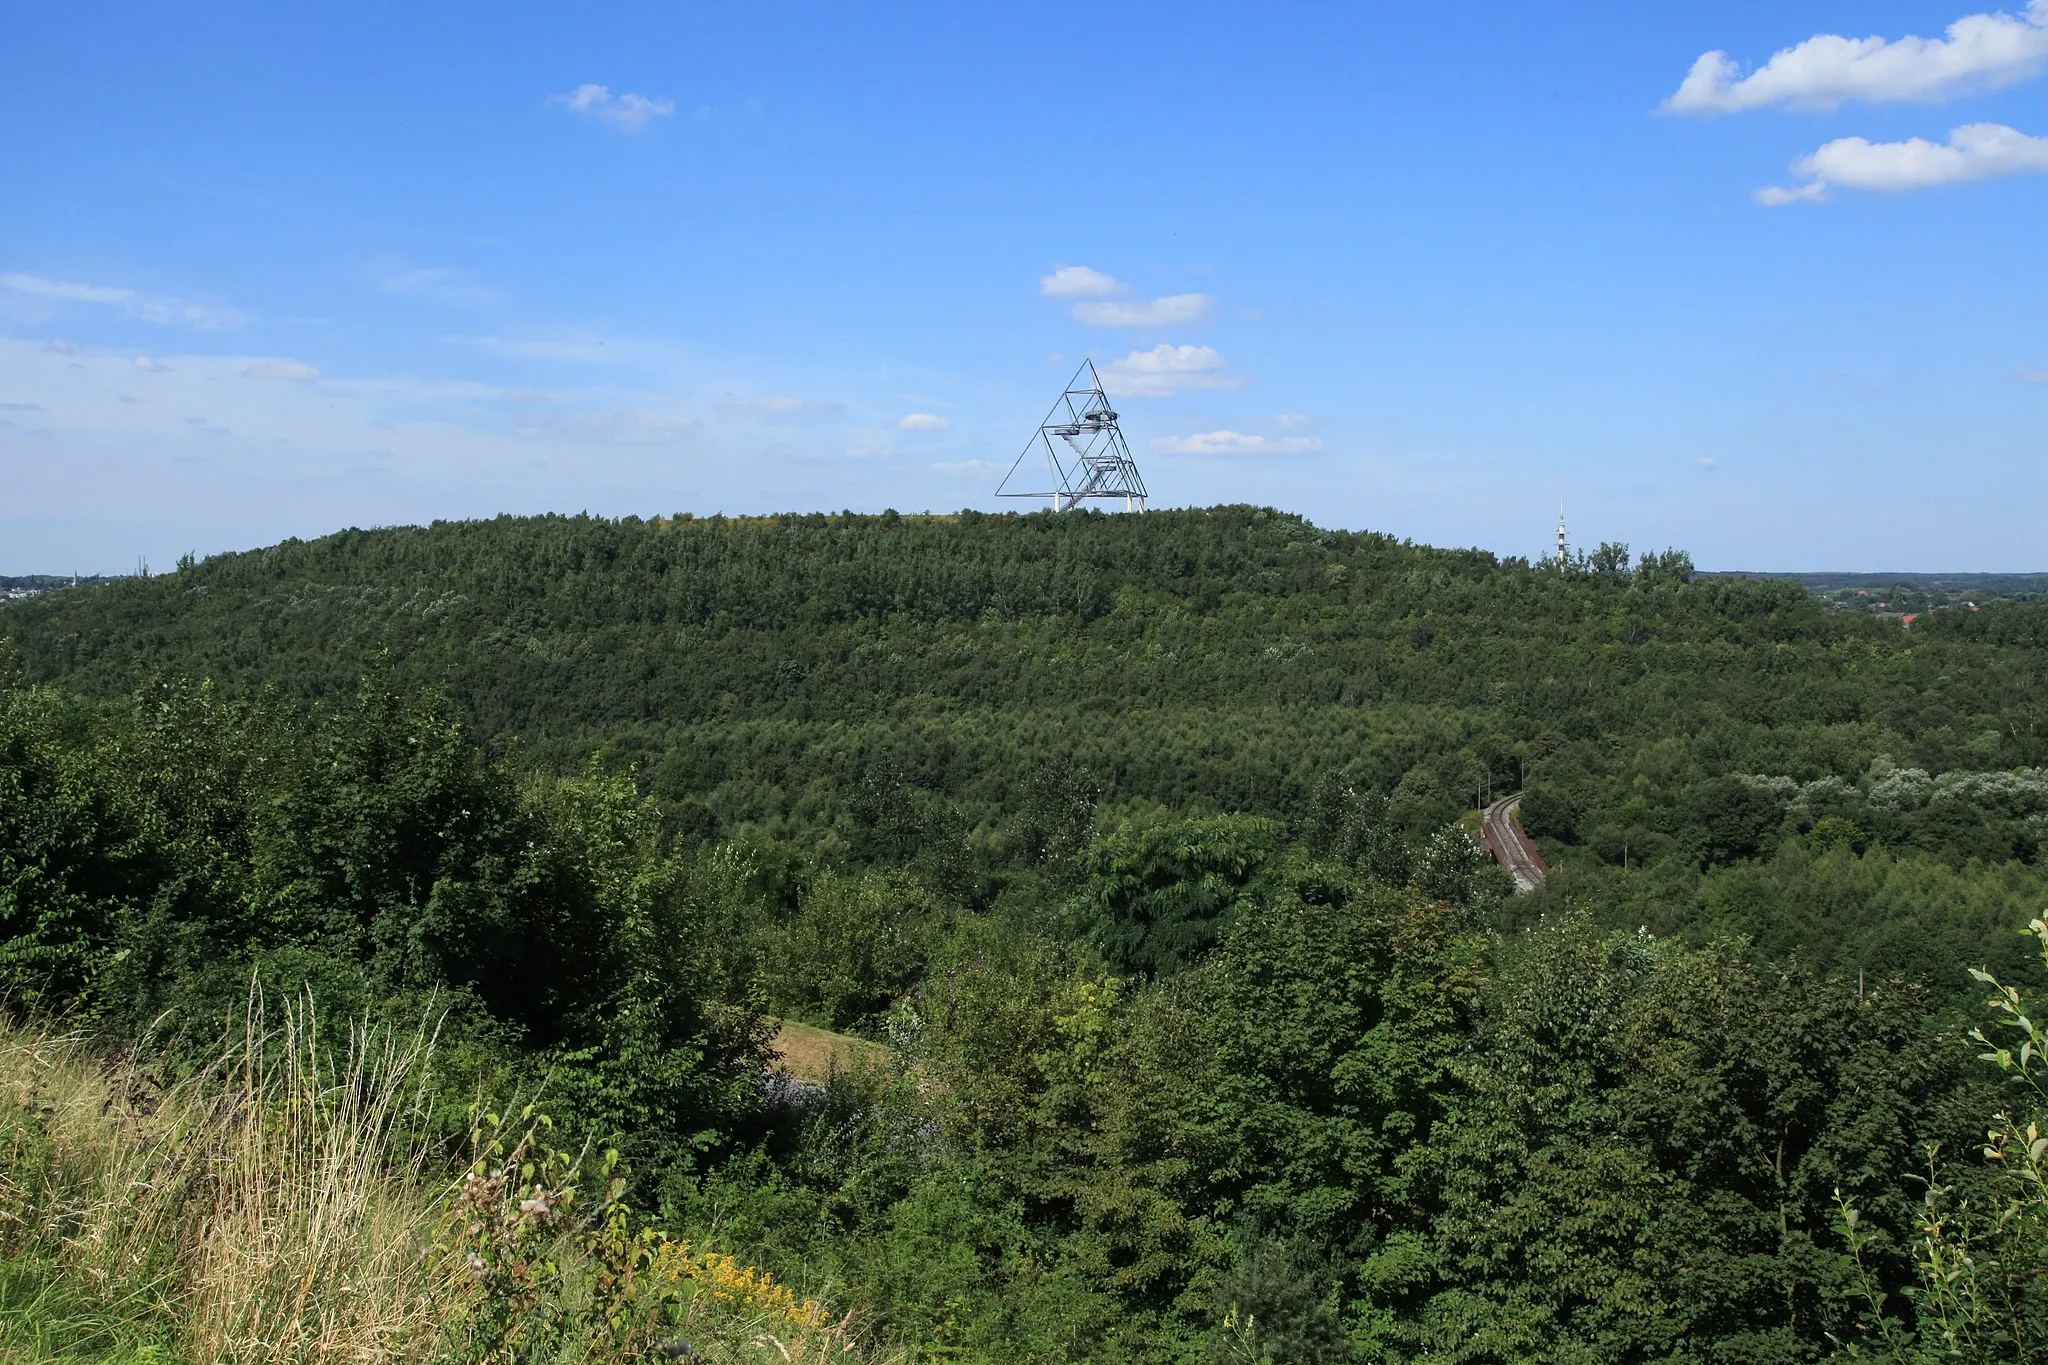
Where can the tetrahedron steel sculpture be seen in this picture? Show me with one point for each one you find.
(1084, 452)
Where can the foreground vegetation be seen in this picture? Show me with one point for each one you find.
(1195, 1029)
(284, 1203)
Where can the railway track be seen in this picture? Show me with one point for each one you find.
(1510, 846)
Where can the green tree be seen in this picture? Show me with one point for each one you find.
(1641, 1158)
(1160, 895)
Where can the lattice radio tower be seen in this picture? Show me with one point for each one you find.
(1084, 451)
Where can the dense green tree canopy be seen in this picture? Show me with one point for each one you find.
(1143, 848)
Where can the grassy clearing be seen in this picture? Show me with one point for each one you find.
(281, 1206)
(815, 1054)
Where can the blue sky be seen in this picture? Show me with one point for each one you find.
(272, 270)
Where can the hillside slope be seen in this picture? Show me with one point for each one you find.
(1127, 855)
(1230, 653)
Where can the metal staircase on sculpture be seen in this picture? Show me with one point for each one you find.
(1084, 451)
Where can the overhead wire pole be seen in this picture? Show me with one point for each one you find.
(1096, 462)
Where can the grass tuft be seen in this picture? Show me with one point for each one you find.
(283, 1205)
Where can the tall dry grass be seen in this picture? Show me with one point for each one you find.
(282, 1205)
(313, 1241)
(272, 1201)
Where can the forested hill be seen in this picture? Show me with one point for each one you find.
(1222, 653)
(1133, 842)
(542, 624)
(1231, 657)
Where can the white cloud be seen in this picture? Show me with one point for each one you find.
(1077, 282)
(1293, 419)
(1174, 308)
(294, 370)
(1982, 51)
(2031, 376)
(626, 428)
(601, 427)
(62, 289)
(206, 317)
(781, 407)
(1168, 369)
(923, 421)
(436, 282)
(591, 350)
(59, 345)
(1776, 196)
(628, 112)
(1975, 151)
(976, 468)
(1235, 443)
(304, 447)
(1707, 462)
(148, 366)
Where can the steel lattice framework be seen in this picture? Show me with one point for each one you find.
(1085, 453)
